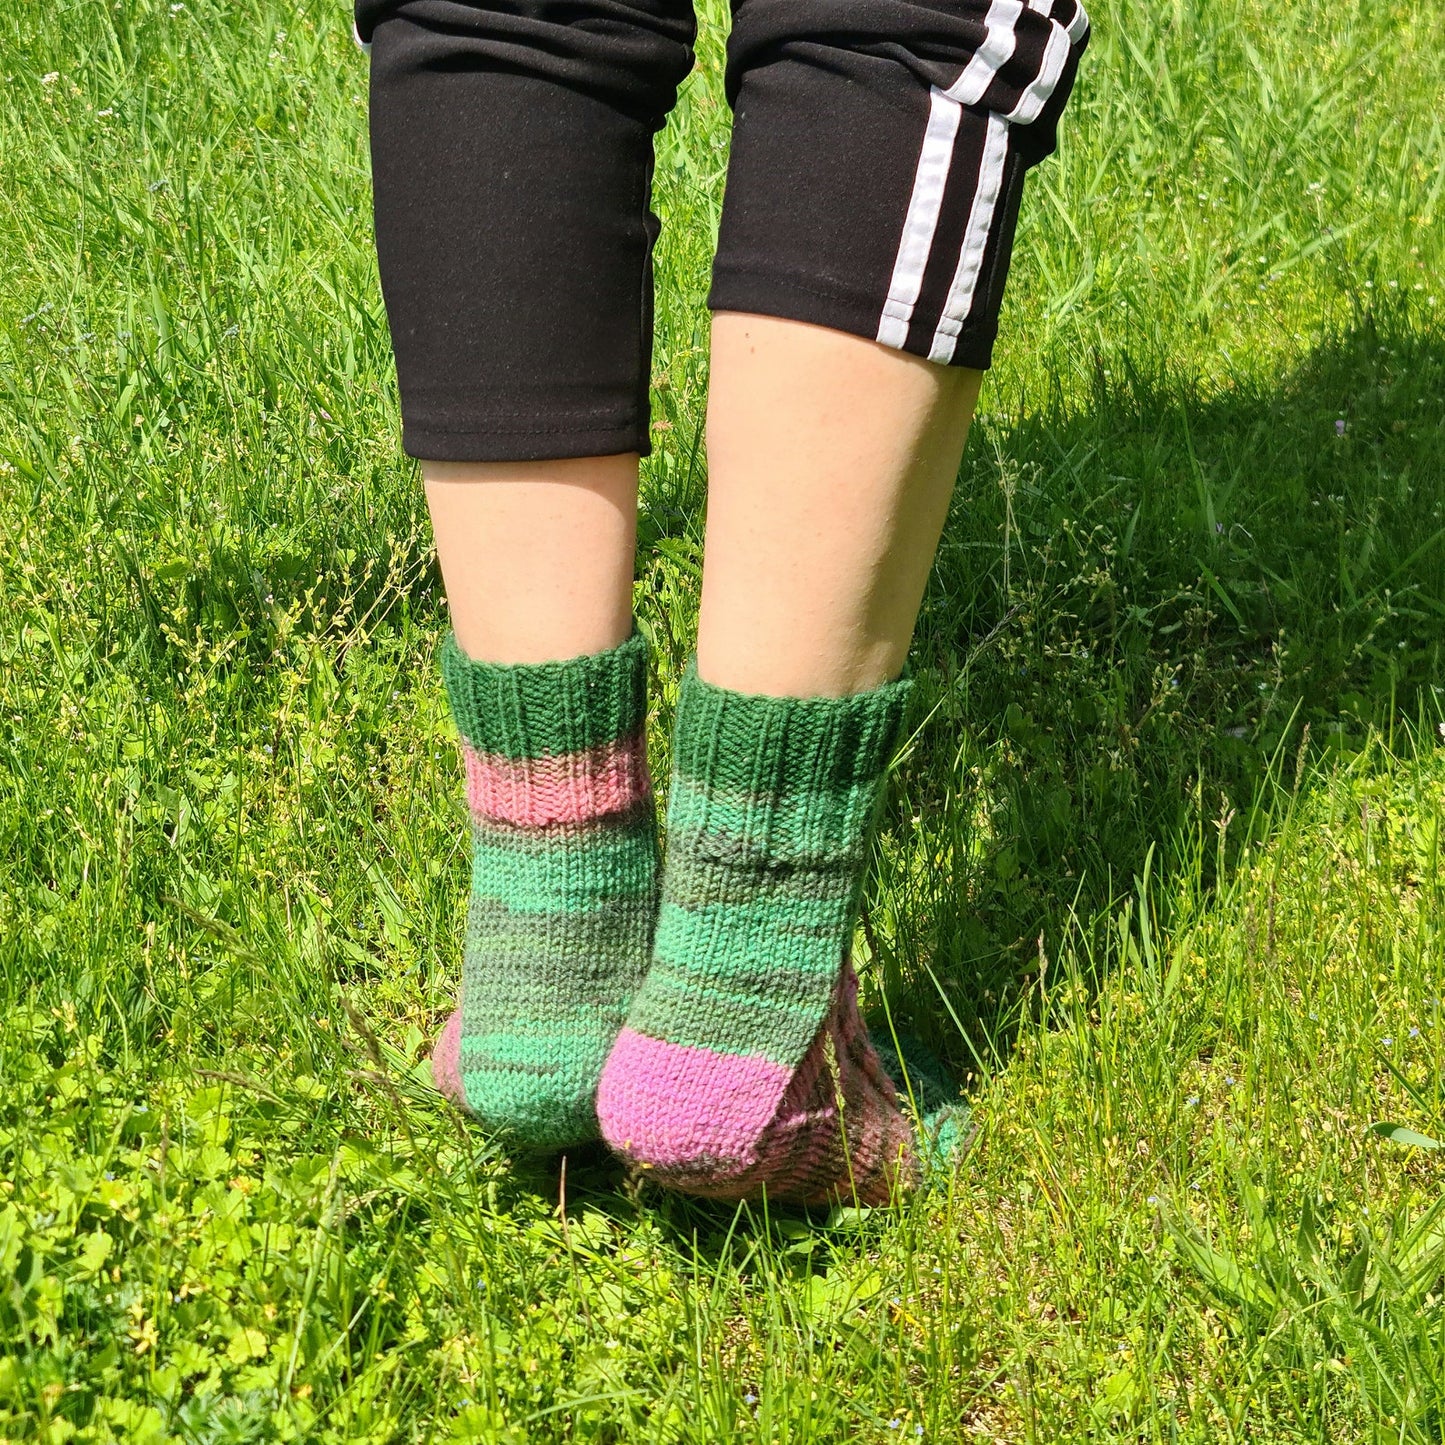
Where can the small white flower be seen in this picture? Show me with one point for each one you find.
(50, 78)
(750, 1398)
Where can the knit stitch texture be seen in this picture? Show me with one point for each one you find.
(744, 1065)
(564, 886)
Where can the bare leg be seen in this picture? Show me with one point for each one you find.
(537, 557)
(744, 1065)
(831, 460)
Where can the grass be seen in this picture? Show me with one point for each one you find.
(1160, 876)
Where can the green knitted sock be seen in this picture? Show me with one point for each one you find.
(941, 1120)
(743, 1065)
(563, 899)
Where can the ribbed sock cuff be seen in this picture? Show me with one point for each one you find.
(791, 778)
(547, 709)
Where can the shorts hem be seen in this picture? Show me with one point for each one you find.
(795, 300)
(555, 442)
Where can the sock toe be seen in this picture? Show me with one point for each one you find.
(686, 1111)
(446, 1062)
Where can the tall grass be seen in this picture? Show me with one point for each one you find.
(1159, 877)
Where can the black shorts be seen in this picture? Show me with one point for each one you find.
(878, 154)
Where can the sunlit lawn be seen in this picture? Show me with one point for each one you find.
(1159, 879)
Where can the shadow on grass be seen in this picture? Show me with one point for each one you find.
(1146, 614)
(717, 1234)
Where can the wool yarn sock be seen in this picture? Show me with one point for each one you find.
(564, 886)
(942, 1123)
(744, 1066)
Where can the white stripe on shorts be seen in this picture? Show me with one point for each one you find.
(990, 57)
(921, 221)
(1075, 27)
(1041, 87)
(975, 240)
(936, 157)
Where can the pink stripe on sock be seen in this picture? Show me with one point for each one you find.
(729, 1127)
(880, 1139)
(669, 1105)
(567, 788)
(806, 1134)
(446, 1058)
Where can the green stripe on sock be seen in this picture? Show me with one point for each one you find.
(795, 892)
(809, 941)
(820, 825)
(594, 934)
(684, 1012)
(566, 876)
(767, 831)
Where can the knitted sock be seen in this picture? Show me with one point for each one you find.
(744, 1065)
(941, 1121)
(564, 896)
